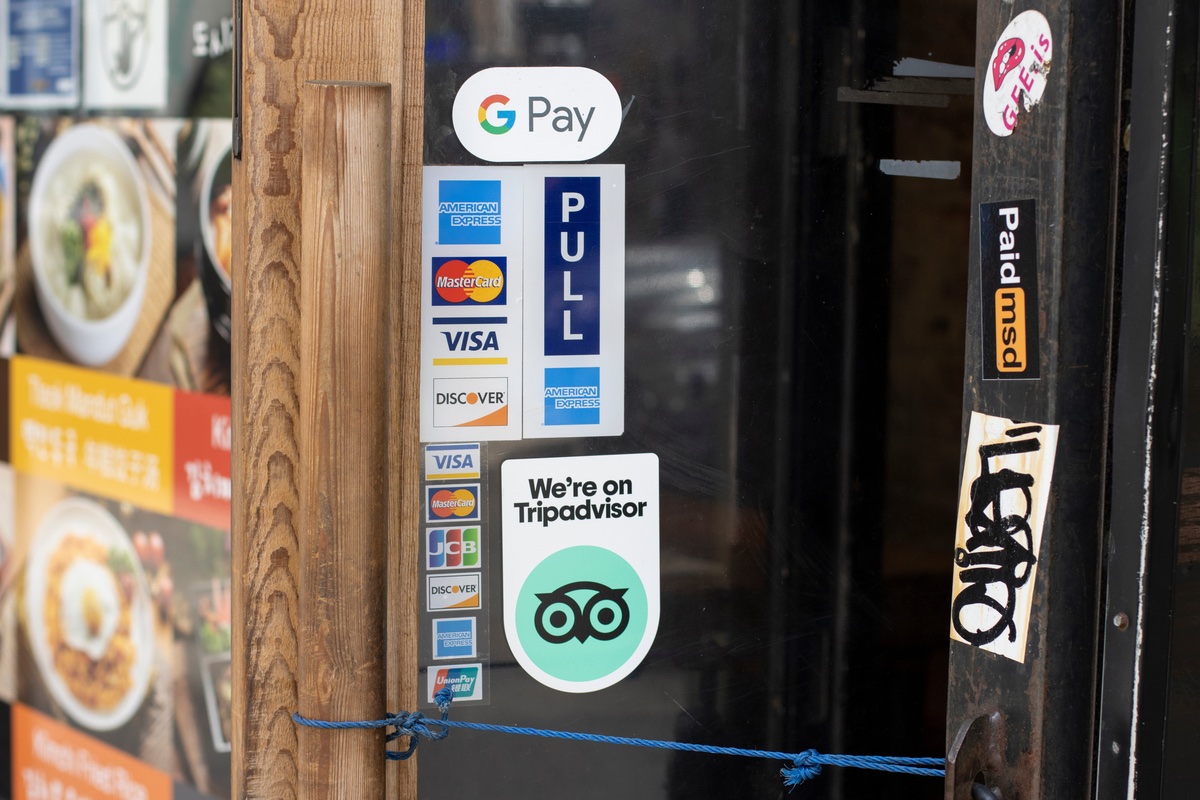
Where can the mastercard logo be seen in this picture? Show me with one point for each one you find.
(458, 281)
(446, 503)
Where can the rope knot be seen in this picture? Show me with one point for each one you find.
(415, 725)
(806, 766)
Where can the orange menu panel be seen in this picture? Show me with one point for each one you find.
(203, 433)
(100, 433)
(51, 761)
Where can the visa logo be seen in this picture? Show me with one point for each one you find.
(471, 341)
(452, 462)
(452, 548)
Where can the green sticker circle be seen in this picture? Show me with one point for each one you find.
(581, 614)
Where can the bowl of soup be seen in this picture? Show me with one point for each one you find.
(89, 241)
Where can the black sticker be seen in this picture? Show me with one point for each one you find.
(1008, 266)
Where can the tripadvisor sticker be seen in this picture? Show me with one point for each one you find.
(581, 580)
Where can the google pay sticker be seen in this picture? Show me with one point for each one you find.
(581, 566)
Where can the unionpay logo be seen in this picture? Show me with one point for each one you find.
(468, 212)
(454, 637)
(505, 118)
(469, 281)
(452, 548)
(470, 402)
(464, 680)
(444, 592)
(572, 396)
(452, 503)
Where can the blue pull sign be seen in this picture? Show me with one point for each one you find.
(572, 289)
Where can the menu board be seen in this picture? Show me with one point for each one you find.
(115, 435)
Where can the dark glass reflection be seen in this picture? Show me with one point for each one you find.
(794, 357)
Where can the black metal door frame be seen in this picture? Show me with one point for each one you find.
(1114, 176)
(1025, 727)
(1149, 405)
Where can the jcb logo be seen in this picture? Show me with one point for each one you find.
(1010, 330)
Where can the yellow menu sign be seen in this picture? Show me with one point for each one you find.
(101, 433)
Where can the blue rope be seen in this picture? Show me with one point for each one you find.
(805, 765)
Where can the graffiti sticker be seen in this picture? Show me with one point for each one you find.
(1001, 516)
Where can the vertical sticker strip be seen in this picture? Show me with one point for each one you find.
(471, 299)
(1001, 516)
(575, 301)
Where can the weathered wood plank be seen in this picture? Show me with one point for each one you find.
(283, 45)
(344, 249)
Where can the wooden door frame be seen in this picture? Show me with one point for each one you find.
(282, 45)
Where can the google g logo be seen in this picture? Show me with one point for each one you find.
(507, 117)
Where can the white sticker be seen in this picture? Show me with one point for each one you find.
(524, 114)
(574, 301)
(1016, 71)
(125, 54)
(458, 592)
(452, 462)
(1001, 514)
(581, 566)
(471, 299)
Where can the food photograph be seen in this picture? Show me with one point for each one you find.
(123, 628)
(205, 242)
(8, 236)
(99, 280)
(8, 556)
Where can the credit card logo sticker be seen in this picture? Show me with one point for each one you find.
(446, 592)
(463, 680)
(469, 281)
(468, 212)
(470, 402)
(454, 638)
(471, 341)
(452, 548)
(459, 502)
(451, 462)
(572, 396)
